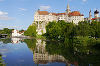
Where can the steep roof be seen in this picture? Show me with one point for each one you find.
(54, 14)
(75, 13)
(57, 14)
(95, 18)
(61, 14)
(96, 12)
(43, 12)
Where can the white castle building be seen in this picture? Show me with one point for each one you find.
(16, 33)
(41, 18)
(95, 18)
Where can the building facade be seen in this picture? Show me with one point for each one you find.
(41, 18)
(16, 33)
(95, 18)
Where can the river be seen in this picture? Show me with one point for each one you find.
(32, 52)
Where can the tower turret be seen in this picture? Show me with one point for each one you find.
(96, 14)
(68, 9)
(90, 15)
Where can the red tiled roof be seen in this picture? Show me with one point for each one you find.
(75, 13)
(22, 31)
(43, 12)
(54, 14)
(57, 14)
(61, 13)
(95, 18)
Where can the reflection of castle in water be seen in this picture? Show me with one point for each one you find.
(42, 57)
(15, 40)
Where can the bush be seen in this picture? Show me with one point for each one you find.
(31, 31)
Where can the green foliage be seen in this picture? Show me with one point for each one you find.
(83, 41)
(80, 54)
(59, 30)
(6, 31)
(96, 29)
(62, 30)
(53, 30)
(31, 43)
(83, 29)
(40, 37)
(31, 31)
(6, 41)
(1, 61)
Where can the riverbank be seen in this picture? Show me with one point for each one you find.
(79, 40)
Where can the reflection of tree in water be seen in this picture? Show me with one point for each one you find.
(31, 43)
(11, 40)
(1, 61)
(41, 56)
(77, 55)
(46, 52)
(6, 40)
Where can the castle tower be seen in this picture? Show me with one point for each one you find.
(96, 14)
(68, 9)
(90, 15)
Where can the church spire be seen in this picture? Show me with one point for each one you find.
(68, 9)
(68, 6)
(90, 15)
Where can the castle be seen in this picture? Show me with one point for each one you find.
(95, 18)
(42, 18)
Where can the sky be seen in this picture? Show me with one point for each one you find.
(19, 14)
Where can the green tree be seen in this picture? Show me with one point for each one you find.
(6, 31)
(95, 29)
(53, 30)
(31, 31)
(83, 29)
(59, 30)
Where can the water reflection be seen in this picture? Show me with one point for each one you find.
(16, 54)
(1, 61)
(76, 55)
(16, 40)
(41, 56)
(21, 52)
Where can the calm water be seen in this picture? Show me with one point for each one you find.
(31, 52)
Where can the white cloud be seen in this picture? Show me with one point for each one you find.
(22, 9)
(44, 7)
(84, 0)
(3, 13)
(9, 26)
(4, 16)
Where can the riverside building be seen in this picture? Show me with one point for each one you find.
(42, 18)
(95, 18)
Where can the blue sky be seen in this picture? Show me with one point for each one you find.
(19, 14)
